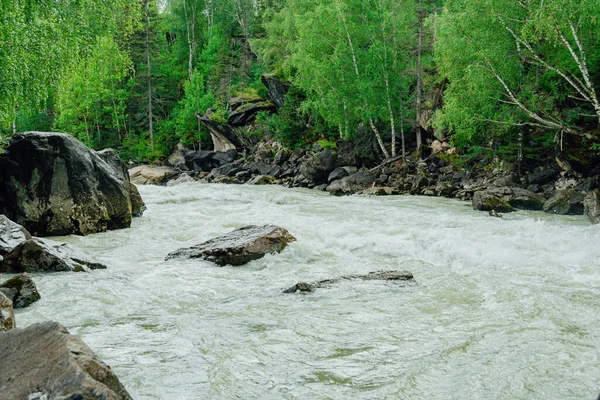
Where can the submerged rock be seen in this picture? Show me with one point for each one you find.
(21, 290)
(7, 321)
(44, 361)
(240, 246)
(54, 185)
(37, 255)
(11, 235)
(372, 276)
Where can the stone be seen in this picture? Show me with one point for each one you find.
(7, 322)
(111, 157)
(227, 180)
(372, 276)
(282, 156)
(183, 178)
(379, 191)
(54, 185)
(591, 204)
(137, 204)
(152, 175)
(318, 167)
(519, 198)
(21, 290)
(222, 135)
(337, 174)
(11, 235)
(261, 180)
(240, 246)
(436, 147)
(485, 201)
(43, 255)
(177, 159)
(277, 89)
(361, 180)
(541, 176)
(247, 113)
(565, 202)
(201, 160)
(46, 362)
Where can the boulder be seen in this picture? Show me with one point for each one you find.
(152, 175)
(591, 205)
(183, 178)
(487, 201)
(177, 159)
(564, 202)
(21, 290)
(519, 198)
(37, 255)
(361, 180)
(11, 235)
(240, 246)
(247, 113)
(318, 167)
(228, 180)
(46, 362)
(54, 185)
(222, 135)
(111, 157)
(372, 276)
(379, 191)
(277, 89)
(261, 180)
(137, 204)
(7, 322)
(540, 176)
(337, 174)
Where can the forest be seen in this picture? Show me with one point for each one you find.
(498, 80)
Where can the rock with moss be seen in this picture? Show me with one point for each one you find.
(262, 180)
(318, 166)
(361, 180)
(21, 290)
(240, 246)
(54, 185)
(247, 112)
(7, 320)
(484, 200)
(44, 361)
(565, 202)
(43, 255)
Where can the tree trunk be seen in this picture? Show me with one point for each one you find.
(150, 126)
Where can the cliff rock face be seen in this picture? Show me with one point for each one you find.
(54, 185)
(43, 361)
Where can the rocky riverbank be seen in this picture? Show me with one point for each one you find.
(495, 188)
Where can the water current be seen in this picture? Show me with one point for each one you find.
(500, 308)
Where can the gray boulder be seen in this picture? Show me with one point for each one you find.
(591, 205)
(7, 321)
(11, 235)
(355, 183)
(36, 255)
(44, 361)
(519, 198)
(337, 174)
(487, 201)
(240, 246)
(318, 167)
(567, 201)
(153, 175)
(54, 185)
(277, 89)
(21, 290)
(372, 276)
(120, 170)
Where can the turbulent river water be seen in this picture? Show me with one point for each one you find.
(501, 308)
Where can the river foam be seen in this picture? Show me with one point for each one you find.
(502, 308)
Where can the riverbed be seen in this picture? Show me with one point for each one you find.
(500, 308)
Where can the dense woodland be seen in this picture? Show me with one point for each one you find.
(513, 80)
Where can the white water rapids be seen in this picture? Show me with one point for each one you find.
(501, 308)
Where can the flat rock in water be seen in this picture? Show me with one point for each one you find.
(240, 246)
(7, 322)
(43, 255)
(46, 362)
(21, 290)
(11, 235)
(372, 276)
(152, 175)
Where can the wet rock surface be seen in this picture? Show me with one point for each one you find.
(240, 246)
(152, 175)
(54, 185)
(21, 290)
(7, 321)
(372, 276)
(44, 361)
(11, 235)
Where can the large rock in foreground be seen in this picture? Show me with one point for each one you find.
(43, 361)
(240, 246)
(21, 290)
(7, 322)
(54, 185)
(372, 276)
(43, 255)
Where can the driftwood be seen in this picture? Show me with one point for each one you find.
(372, 276)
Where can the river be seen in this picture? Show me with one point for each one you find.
(501, 308)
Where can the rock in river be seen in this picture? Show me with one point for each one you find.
(44, 361)
(54, 185)
(372, 276)
(240, 246)
(21, 290)
(7, 321)
(11, 235)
